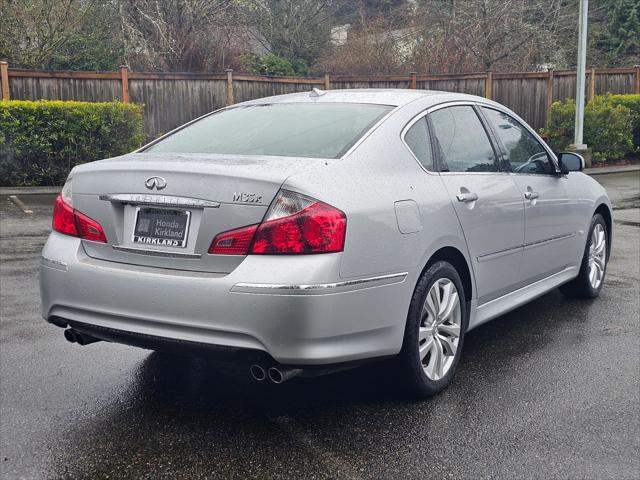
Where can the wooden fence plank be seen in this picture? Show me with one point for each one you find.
(413, 80)
(124, 79)
(592, 84)
(4, 79)
(488, 88)
(230, 99)
(549, 94)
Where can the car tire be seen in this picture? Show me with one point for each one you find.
(596, 256)
(423, 345)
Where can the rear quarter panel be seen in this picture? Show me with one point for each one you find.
(366, 184)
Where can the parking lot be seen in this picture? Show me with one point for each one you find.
(551, 390)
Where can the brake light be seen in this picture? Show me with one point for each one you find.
(294, 224)
(63, 220)
(70, 221)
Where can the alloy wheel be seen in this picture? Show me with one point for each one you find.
(597, 256)
(439, 330)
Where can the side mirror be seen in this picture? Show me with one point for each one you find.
(570, 162)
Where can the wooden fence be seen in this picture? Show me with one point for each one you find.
(172, 99)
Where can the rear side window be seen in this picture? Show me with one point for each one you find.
(524, 151)
(418, 141)
(462, 142)
(316, 130)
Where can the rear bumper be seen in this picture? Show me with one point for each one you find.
(291, 308)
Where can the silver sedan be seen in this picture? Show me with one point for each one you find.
(307, 233)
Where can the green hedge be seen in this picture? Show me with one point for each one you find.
(40, 142)
(610, 122)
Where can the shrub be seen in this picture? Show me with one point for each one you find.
(271, 64)
(632, 102)
(40, 142)
(607, 127)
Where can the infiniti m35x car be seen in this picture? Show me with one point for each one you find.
(306, 233)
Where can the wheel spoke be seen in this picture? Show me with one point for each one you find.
(451, 304)
(425, 332)
(432, 303)
(425, 348)
(599, 262)
(445, 299)
(448, 344)
(452, 329)
(434, 367)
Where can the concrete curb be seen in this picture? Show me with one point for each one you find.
(52, 190)
(29, 190)
(608, 170)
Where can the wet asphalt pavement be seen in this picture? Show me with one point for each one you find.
(551, 390)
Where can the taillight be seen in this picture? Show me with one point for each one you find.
(233, 242)
(294, 224)
(70, 221)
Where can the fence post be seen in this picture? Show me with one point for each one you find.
(230, 99)
(327, 82)
(124, 79)
(4, 74)
(488, 85)
(592, 84)
(413, 80)
(549, 94)
(638, 79)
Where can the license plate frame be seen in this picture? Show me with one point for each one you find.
(154, 214)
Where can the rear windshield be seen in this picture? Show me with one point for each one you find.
(316, 130)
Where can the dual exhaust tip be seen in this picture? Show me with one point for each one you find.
(276, 374)
(74, 336)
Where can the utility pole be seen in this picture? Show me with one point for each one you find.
(581, 74)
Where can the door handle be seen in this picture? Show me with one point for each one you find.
(531, 195)
(467, 197)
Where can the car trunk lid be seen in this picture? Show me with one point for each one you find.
(183, 200)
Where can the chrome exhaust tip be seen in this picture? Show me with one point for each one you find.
(257, 372)
(282, 374)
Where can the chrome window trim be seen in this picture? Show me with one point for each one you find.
(403, 133)
(318, 288)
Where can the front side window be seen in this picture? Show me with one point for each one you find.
(463, 144)
(523, 150)
(418, 141)
(313, 130)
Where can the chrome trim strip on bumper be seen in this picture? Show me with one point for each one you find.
(164, 200)
(155, 253)
(318, 288)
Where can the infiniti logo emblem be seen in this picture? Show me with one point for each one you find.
(155, 182)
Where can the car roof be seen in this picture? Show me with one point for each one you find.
(383, 96)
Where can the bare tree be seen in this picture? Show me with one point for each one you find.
(33, 31)
(295, 29)
(500, 34)
(178, 35)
